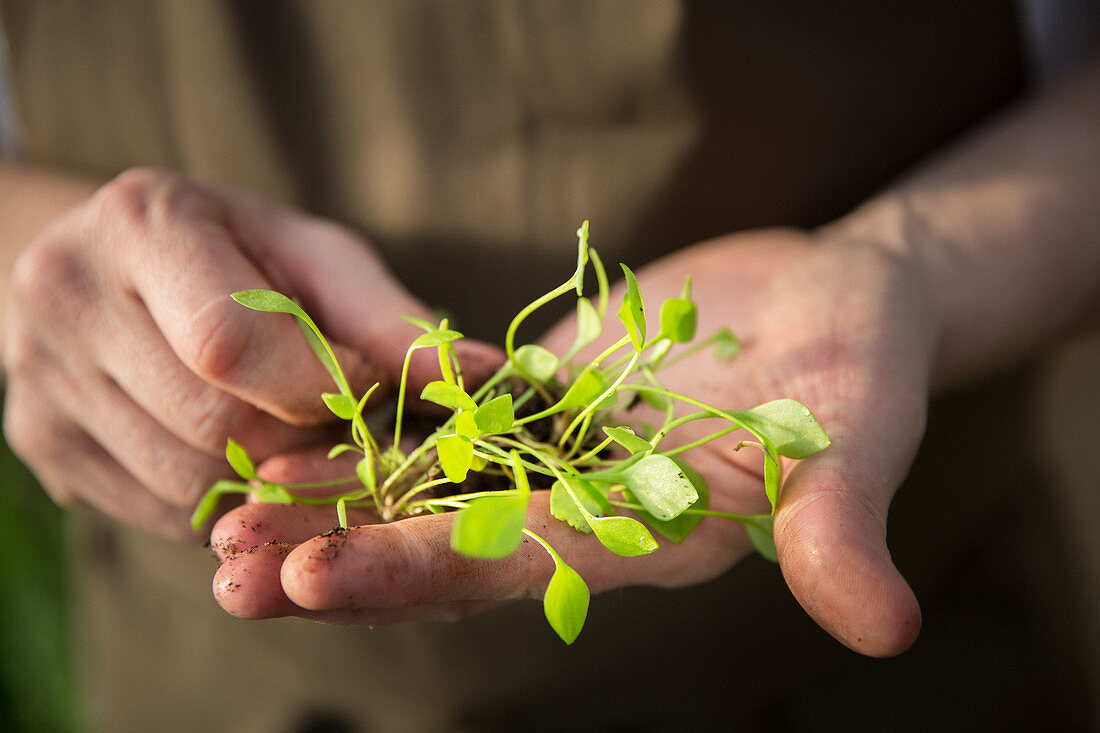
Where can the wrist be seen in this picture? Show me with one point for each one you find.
(888, 229)
(1004, 229)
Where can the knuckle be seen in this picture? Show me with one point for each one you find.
(23, 355)
(141, 196)
(128, 195)
(48, 275)
(181, 482)
(29, 434)
(216, 341)
(214, 417)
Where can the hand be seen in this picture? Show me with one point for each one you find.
(840, 325)
(129, 365)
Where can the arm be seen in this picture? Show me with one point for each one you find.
(1004, 228)
(969, 264)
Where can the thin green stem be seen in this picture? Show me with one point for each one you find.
(693, 349)
(702, 441)
(595, 403)
(401, 397)
(582, 435)
(518, 445)
(408, 495)
(449, 502)
(672, 424)
(555, 408)
(510, 335)
(594, 452)
(313, 484)
(601, 279)
(549, 550)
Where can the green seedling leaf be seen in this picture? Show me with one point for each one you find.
(365, 474)
(437, 337)
(788, 425)
(773, 476)
(448, 395)
(622, 535)
(466, 425)
(456, 454)
(390, 459)
(589, 326)
(238, 458)
(601, 281)
(726, 345)
(656, 400)
(272, 494)
(590, 385)
(340, 405)
(678, 320)
(759, 528)
(679, 528)
(208, 504)
(661, 486)
(269, 301)
(572, 507)
(596, 491)
(566, 601)
(632, 311)
(626, 437)
(495, 416)
(420, 323)
(536, 362)
(490, 528)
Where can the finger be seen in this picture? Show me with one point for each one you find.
(75, 392)
(60, 316)
(408, 564)
(248, 586)
(257, 524)
(348, 288)
(253, 525)
(73, 467)
(381, 616)
(307, 465)
(193, 410)
(181, 260)
(830, 531)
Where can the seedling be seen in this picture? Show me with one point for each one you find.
(543, 418)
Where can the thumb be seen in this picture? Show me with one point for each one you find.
(830, 531)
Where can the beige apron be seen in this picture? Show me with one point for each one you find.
(468, 139)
